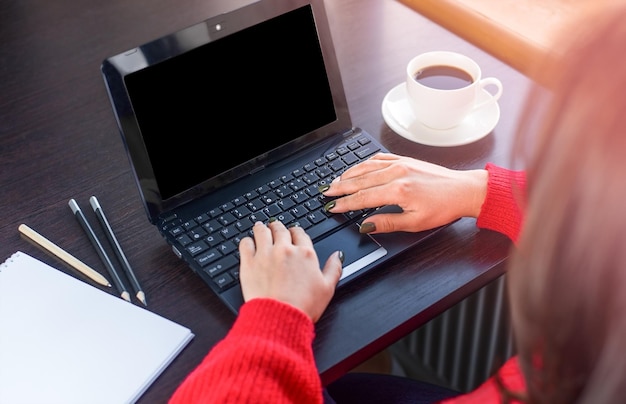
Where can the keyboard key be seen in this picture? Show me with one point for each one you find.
(224, 280)
(196, 248)
(177, 231)
(197, 233)
(207, 257)
(367, 151)
(227, 219)
(214, 239)
(184, 239)
(285, 204)
(221, 265)
(241, 212)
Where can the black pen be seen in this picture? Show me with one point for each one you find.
(118, 249)
(99, 249)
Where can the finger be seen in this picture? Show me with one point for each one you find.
(366, 175)
(299, 236)
(367, 198)
(386, 156)
(333, 268)
(394, 222)
(247, 250)
(377, 158)
(376, 162)
(357, 177)
(280, 234)
(247, 247)
(370, 164)
(383, 223)
(262, 235)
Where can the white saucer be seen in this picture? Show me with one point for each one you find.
(398, 115)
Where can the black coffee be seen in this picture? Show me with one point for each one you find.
(443, 77)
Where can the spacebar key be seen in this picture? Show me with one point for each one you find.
(323, 227)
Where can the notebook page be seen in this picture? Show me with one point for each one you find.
(65, 341)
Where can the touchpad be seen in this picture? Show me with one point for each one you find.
(359, 249)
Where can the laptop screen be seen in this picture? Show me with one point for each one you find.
(220, 99)
(236, 97)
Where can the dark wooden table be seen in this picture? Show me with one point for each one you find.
(59, 140)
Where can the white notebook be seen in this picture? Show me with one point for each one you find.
(65, 341)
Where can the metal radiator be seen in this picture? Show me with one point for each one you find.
(460, 348)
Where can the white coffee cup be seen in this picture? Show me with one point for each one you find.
(447, 88)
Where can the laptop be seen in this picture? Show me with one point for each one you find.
(240, 118)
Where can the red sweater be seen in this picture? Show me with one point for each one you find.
(267, 356)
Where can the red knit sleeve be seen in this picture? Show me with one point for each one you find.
(502, 210)
(511, 377)
(266, 357)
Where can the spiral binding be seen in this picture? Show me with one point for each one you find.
(9, 260)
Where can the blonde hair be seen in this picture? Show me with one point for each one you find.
(567, 276)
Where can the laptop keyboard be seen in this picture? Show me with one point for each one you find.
(212, 238)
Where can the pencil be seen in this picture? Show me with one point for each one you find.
(78, 213)
(63, 255)
(118, 249)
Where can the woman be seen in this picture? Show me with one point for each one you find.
(566, 276)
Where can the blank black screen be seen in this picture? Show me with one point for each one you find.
(215, 107)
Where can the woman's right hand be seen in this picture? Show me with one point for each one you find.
(281, 263)
(429, 195)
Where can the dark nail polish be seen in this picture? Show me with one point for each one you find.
(323, 188)
(367, 227)
(328, 207)
(272, 219)
(342, 256)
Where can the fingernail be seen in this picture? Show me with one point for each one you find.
(323, 188)
(342, 256)
(329, 206)
(367, 227)
(272, 219)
